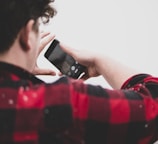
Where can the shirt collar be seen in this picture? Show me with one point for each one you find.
(7, 69)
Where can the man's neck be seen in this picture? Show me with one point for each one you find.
(15, 56)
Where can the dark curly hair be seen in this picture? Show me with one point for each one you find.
(14, 14)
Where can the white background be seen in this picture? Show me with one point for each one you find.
(127, 30)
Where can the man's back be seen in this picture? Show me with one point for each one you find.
(68, 111)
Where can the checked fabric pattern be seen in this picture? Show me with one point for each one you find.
(71, 112)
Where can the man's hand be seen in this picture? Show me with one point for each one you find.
(46, 37)
(85, 58)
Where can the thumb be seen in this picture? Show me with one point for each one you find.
(39, 71)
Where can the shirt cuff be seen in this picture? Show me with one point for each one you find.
(139, 78)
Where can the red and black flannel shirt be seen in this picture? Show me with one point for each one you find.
(71, 112)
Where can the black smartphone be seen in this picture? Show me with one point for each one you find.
(64, 62)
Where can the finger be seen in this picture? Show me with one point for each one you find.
(59, 73)
(44, 34)
(39, 71)
(84, 78)
(45, 41)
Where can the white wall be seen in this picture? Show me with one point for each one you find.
(124, 29)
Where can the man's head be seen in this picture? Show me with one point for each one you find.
(15, 14)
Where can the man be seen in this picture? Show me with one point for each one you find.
(67, 111)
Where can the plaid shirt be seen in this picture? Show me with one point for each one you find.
(71, 112)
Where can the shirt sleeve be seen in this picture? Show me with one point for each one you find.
(134, 80)
(126, 116)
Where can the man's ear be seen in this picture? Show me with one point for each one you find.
(25, 35)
